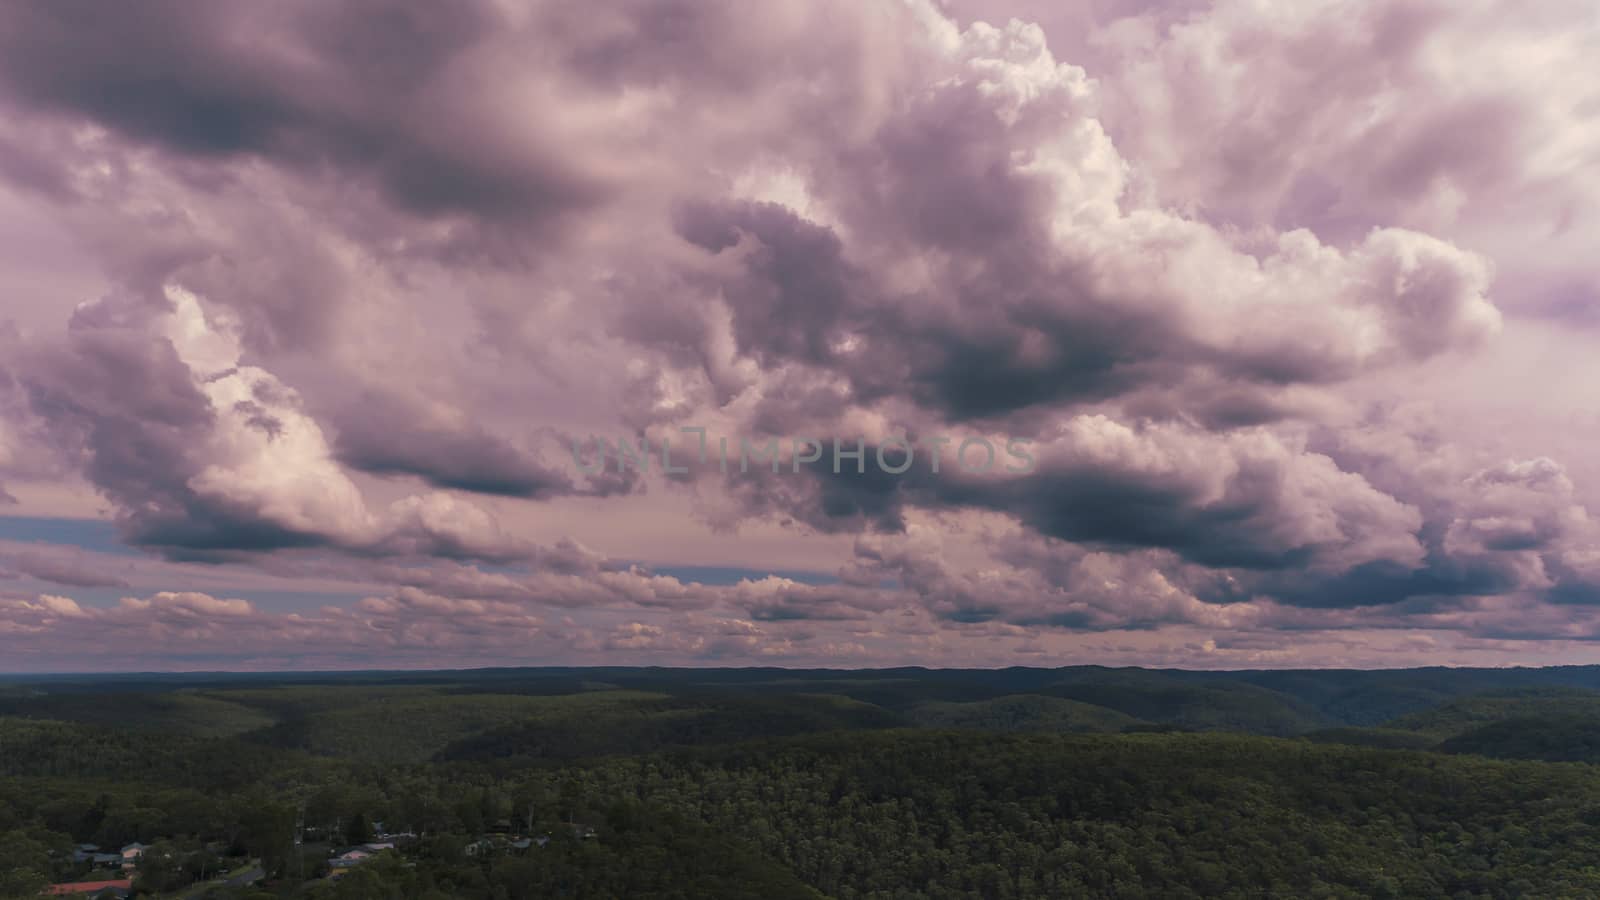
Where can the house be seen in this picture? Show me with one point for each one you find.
(90, 853)
(353, 856)
(375, 846)
(117, 889)
(133, 851)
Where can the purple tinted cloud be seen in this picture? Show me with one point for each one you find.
(361, 275)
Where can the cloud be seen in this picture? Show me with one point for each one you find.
(307, 88)
(204, 456)
(64, 607)
(383, 435)
(1032, 301)
(1451, 118)
(390, 436)
(1010, 270)
(359, 267)
(70, 569)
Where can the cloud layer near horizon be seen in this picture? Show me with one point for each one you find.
(315, 299)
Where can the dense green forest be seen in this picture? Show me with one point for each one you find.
(600, 783)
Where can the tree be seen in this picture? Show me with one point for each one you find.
(359, 830)
(24, 865)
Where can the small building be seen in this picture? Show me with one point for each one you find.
(90, 853)
(133, 851)
(347, 858)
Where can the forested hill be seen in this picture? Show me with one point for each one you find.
(903, 783)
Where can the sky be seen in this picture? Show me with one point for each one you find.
(1280, 320)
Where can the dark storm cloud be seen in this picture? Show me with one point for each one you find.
(1244, 501)
(1379, 583)
(798, 295)
(1021, 325)
(385, 435)
(363, 88)
(994, 344)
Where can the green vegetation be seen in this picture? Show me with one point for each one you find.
(1199, 707)
(640, 723)
(178, 712)
(412, 725)
(1380, 738)
(1468, 713)
(1022, 712)
(1148, 815)
(748, 783)
(1555, 738)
